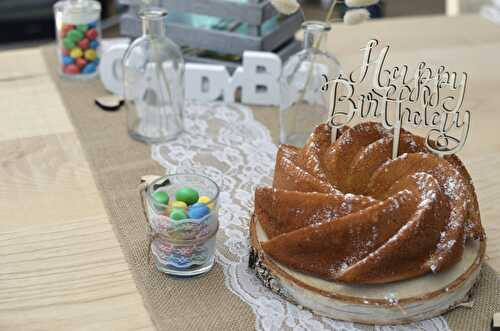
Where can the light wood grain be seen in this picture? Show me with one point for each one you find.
(61, 267)
(65, 277)
(45, 179)
(29, 100)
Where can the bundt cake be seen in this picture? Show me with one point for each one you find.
(348, 212)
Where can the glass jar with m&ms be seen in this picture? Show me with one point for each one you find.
(182, 211)
(78, 33)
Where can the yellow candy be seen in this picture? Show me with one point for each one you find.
(76, 53)
(206, 200)
(178, 204)
(175, 204)
(90, 54)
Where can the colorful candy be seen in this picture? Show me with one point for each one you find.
(84, 43)
(198, 210)
(79, 48)
(89, 68)
(71, 69)
(67, 60)
(75, 35)
(204, 199)
(187, 194)
(161, 197)
(90, 54)
(65, 29)
(80, 62)
(178, 214)
(82, 27)
(179, 204)
(68, 43)
(91, 33)
(94, 44)
(76, 53)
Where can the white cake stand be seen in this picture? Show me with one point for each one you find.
(394, 303)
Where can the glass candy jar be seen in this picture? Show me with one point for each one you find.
(153, 73)
(303, 105)
(182, 211)
(78, 32)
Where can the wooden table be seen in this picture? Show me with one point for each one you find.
(61, 267)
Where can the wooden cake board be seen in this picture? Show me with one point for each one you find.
(394, 303)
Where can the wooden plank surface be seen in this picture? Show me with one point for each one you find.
(61, 267)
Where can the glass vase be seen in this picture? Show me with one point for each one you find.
(153, 73)
(303, 105)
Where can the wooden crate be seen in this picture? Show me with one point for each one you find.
(254, 14)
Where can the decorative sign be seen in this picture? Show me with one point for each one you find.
(258, 77)
(431, 97)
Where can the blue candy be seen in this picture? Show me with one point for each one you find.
(92, 24)
(96, 61)
(198, 210)
(89, 68)
(68, 60)
(94, 44)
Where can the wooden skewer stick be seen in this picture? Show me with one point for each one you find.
(333, 128)
(395, 139)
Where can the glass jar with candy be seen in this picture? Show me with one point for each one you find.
(78, 34)
(182, 211)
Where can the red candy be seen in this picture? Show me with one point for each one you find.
(84, 43)
(72, 69)
(66, 28)
(80, 63)
(91, 34)
(65, 51)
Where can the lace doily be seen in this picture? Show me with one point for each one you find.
(232, 147)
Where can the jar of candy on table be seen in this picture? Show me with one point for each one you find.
(78, 32)
(182, 212)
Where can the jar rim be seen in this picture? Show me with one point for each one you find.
(152, 13)
(316, 26)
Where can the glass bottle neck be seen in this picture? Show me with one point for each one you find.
(153, 27)
(315, 34)
(153, 22)
(313, 39)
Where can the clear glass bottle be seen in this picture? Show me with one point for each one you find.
(153, 73)
(303, 105)
(78, 31)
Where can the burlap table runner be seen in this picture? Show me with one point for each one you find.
(203, 303)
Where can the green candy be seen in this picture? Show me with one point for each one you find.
(82, 27)
(187, 194)
(178, 214)
(68, 43)
(161, 197)
(75, 35)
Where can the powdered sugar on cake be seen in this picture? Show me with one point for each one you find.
(350, 237)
